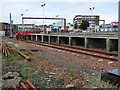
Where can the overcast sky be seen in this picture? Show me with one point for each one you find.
(106, 9)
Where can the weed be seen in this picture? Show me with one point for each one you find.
(58, 79)
(34, 81)
(11, 58)
(71, 72)
(49, 62)
(50, 86)
(47, 83)
(39, 70)
(23, 73)
(18, 57)
(28, 70)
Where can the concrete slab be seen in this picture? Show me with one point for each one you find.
(111, 78)
(114, 71)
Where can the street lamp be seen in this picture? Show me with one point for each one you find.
(23, 19)
(91, 9)
(22, 22)
(43, 15)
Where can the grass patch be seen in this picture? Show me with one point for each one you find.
(18, 57)
(58, 79)
(23, 73)
(26, 71)
(34, 81)
(14, 57)
(39, 70)
(49, 62)
(10, 58)
(72, 73)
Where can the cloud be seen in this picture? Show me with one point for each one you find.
(107, 10)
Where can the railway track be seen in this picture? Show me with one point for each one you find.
(95, 53)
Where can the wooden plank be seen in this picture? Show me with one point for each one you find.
(21, 53)
(8, 51)
(23, 86)
(5, 51)
(14, 87)
(31, 85)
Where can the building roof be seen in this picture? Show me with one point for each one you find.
(86, 15)
(25, 24)
(5, 22)
(61, 24)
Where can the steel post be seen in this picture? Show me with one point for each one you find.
(117, 71)
(119, 40)
(22, 24)
(10, 27)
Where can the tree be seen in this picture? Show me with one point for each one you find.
(75, 25)
(115, 26)
(84, 25)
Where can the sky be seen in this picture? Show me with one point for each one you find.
(106, 9)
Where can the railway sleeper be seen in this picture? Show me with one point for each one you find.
(28, 86)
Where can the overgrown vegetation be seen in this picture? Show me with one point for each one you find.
(75, 25)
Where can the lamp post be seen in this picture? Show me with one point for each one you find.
(91, 9)
(22, 22)
(11, 36)
(43, 16)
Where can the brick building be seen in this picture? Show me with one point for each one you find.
(6, 27)
(93, 20)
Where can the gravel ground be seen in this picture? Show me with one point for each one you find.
(88, 67)
(81, 59)
(30, 72)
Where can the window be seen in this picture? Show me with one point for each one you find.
(5, 27)
(67, 27)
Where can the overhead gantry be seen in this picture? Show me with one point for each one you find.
(43, 18)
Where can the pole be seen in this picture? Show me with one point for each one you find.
(104, 25)
(73, 25)
(10, 26)
(43, 20)
(91, 19)
(22, 22)
(57, 24)
(119, 40)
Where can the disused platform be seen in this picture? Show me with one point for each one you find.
(108, 41)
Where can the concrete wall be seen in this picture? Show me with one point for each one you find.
(113, 45)
(39, 38)
(45, 39)
(34, 37)
(63, 40)
(88, 42)
(76, 41)
(53, 39)
(96, 43)
(29, 37)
